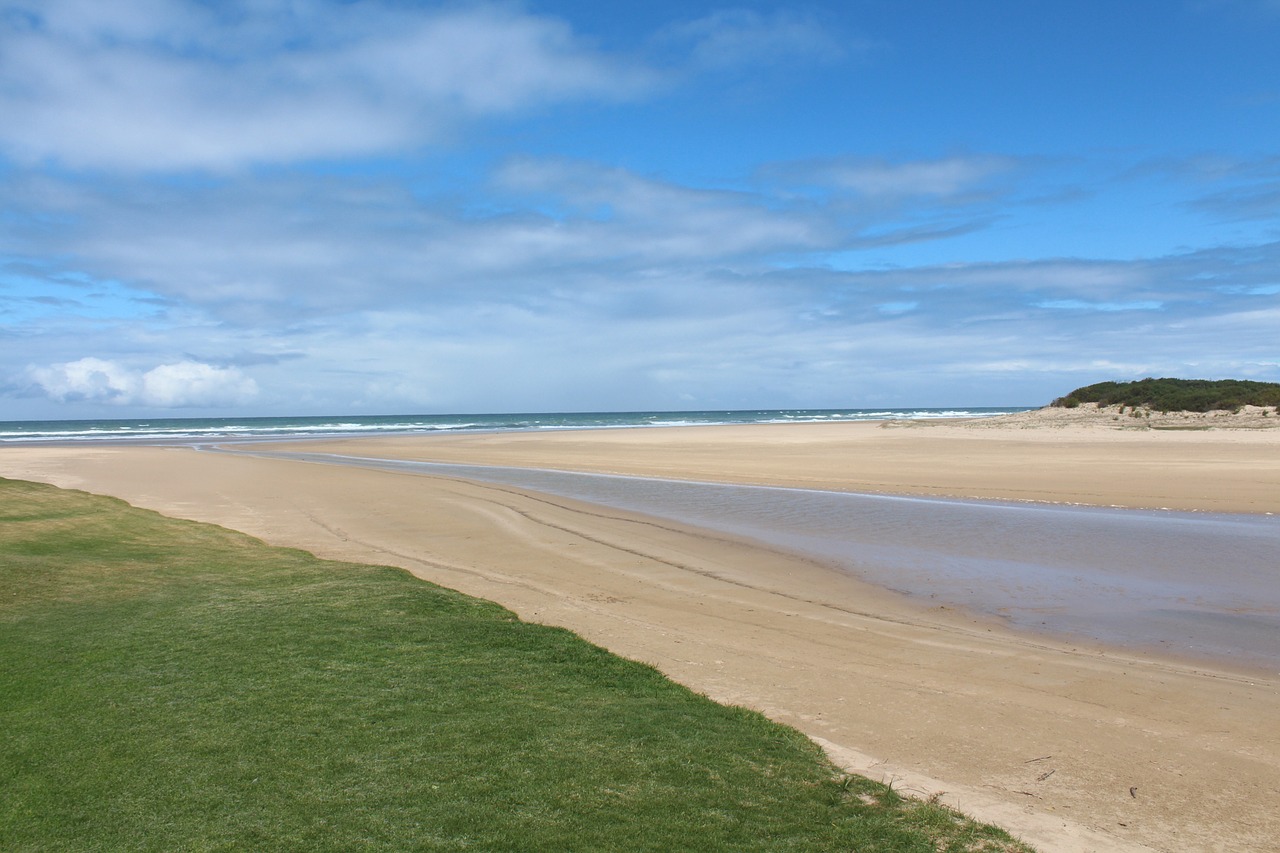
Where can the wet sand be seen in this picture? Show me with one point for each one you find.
(1071, 747)
(1133, 578)
(1033, 457)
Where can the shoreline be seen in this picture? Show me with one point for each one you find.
(934, 551)
(928, 697)
(1030, 458)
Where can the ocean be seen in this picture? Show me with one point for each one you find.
(182, 430)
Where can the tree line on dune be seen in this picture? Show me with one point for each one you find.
(1176, 395)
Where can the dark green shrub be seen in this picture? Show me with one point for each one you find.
(1177, 395)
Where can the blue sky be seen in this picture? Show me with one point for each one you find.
(386, 206)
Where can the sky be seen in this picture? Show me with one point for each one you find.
(292, 207)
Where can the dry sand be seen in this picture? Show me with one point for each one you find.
(1072, 748)
(1067, 456)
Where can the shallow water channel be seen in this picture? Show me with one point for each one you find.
(1204, 585)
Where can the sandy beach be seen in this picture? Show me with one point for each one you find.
(1073, 748)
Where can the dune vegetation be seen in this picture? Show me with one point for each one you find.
(1176, 395)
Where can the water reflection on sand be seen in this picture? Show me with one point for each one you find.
(1199, 584)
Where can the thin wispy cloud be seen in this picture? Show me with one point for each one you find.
(947, 177)
(729, 39)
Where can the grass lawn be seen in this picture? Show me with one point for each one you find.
(167, 685)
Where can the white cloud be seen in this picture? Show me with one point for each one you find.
(567, 284)
(184, 384)
(88, 379)
(192, 384)
(170, 85)
(661, 221)
(943, 177)
(731, 38)
(291, 247)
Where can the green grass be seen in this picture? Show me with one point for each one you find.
(167, 685)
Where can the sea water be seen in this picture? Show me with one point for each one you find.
(185, 430)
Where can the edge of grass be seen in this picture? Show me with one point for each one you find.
(176, 685)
